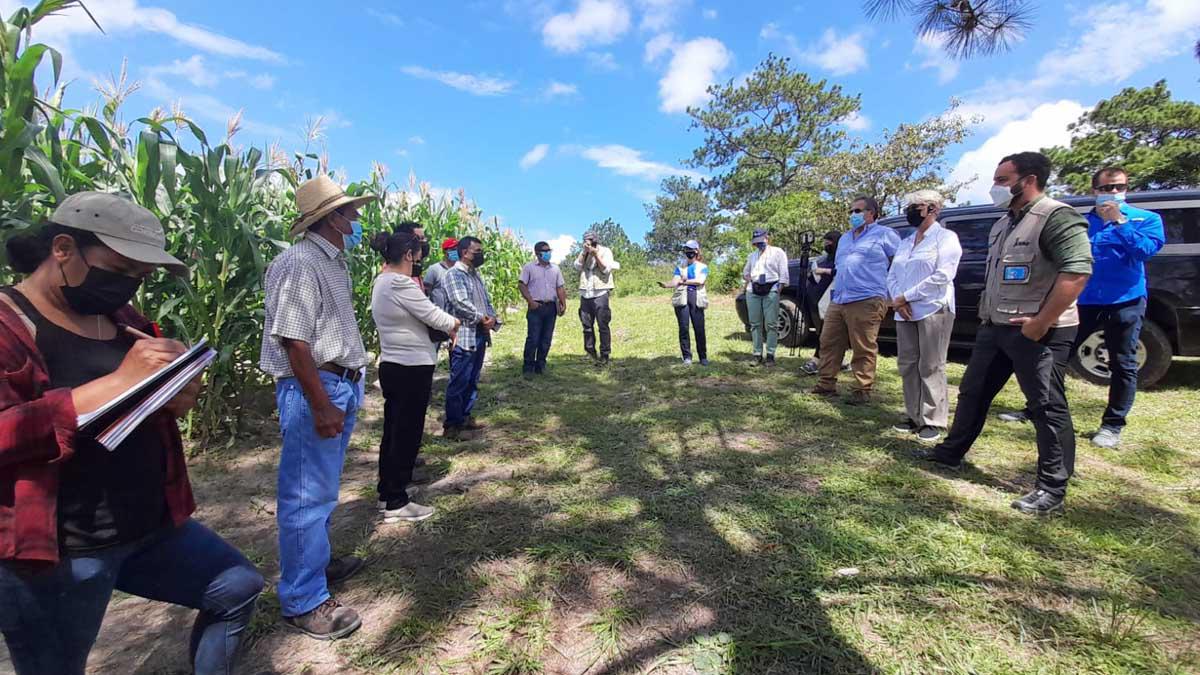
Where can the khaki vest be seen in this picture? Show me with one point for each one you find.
(679, 297)
(1019, 277)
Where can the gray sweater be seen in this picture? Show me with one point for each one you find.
(403, 316)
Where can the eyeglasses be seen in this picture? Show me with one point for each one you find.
(1113, 187)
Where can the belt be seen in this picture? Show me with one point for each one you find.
(345, 373)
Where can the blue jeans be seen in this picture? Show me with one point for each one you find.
(1122, 326)
(540, 323)
(310, 473)
(463, 388)
(50, 618)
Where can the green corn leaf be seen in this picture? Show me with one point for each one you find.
(44, 172)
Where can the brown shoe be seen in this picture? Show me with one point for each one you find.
(822, 391)
(859, 397)
(341, 569)
(473, 424)
(329, 621)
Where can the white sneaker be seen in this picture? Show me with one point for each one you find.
(412, 491)
(1017, 416)
(1107, 438)
(410, 512)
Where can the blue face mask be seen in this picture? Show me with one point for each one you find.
(353, 239)
(762, 245)
(1107, 197)
(857, 220)
(452, 256)
(545, 256)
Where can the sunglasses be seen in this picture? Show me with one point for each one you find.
(1113, 187)
(542, 250)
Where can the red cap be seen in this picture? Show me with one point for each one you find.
(449, 243)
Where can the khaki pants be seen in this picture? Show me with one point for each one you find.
(921, 358)
(852, 326)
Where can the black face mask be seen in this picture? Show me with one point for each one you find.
(690, 255)
(913, 216)
(830, 249)
(424, 250)
(102, 291)
(479, 259)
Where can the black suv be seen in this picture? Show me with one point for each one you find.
(1172, 326)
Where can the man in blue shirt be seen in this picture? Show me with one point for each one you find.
(858, 301)
(1123, 238)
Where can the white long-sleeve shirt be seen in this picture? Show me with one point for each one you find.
(402, 314)
(768, 266)
(924, 273)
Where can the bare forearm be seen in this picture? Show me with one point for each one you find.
(1066, 290)
(91, 396)
(524, 291)
(304, 369)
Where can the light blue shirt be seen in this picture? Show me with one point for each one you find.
(924, 273)
(862, 264)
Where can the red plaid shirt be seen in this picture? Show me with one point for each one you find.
(37, 434)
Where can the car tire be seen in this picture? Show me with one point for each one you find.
(792, 328)
(1090, 360)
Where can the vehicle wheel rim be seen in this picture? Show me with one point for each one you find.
(785, 326)
(1093, 355)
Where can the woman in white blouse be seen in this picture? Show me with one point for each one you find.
(404, 318)
(921, 284)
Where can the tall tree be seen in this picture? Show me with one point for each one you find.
(911, 157)
(965, 28)
(764, 135)
(612, 235)
(683, 211)
(1156, 139)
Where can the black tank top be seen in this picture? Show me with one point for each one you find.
(104, 498)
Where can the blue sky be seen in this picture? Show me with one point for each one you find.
(553, 114)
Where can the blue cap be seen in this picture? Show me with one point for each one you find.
(759, 236)
(692, 244)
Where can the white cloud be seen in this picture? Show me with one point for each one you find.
(996, 112)
(710, 14)
(770, 31)
(694, 66)
(1044, 127)
(535, 155)
(1169, 24)
(478, 85)
(660, 14)
(594, 22)
(857, 122)
(416, 140)
(193, 70)
(931, 49)
(205, 106)
(839, 54)
(556, 89)
(262, 81)
(385, 17)
(659, 45)
(602, 60)
(628, 162)
(560, 247)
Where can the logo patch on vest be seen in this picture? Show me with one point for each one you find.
(1016, 274)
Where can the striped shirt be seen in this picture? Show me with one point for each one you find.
(309, 299)
(468, 300)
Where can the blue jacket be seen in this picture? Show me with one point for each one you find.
(1120, 253)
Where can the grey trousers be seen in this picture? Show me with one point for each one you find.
(921, 359)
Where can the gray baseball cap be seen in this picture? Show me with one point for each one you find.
(759, 236)
(121, 225)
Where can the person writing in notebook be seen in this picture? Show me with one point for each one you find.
(78, 521)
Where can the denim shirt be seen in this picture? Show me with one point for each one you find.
(862, 264)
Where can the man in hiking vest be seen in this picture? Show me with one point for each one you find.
(1039, 260)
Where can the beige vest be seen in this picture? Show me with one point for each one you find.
(1019, 277)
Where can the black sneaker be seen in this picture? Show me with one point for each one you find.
(758, 361)
(929, 435)
(905, 426)
(931, 455)
(770, 363)
(341, 569)
(1040, 503)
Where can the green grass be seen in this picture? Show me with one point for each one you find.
(653, 518)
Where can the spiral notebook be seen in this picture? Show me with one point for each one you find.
(111, 423)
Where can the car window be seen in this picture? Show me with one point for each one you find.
(973, 233)
(1182, 225)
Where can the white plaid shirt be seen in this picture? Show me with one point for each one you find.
(468, 300)
(309, 299)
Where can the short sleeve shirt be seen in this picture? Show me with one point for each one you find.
(543, 281)
(309, 299)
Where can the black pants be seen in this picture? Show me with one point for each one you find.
(694, 315)
(1041, 369)
(593, 311)
(1122, 326)
(540, 324)
(812, 301)
(405, 397)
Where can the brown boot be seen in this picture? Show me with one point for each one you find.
(473, 424)
(329, 621)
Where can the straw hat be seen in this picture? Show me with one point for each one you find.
(318, 197)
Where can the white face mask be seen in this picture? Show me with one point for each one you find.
(1002, 196)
